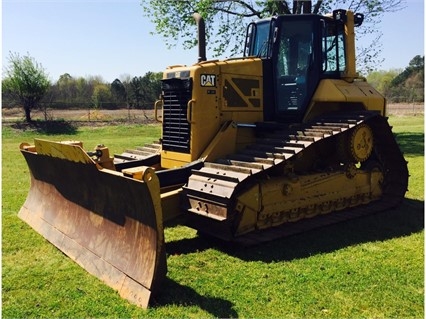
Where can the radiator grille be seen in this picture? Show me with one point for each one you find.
(176, 129)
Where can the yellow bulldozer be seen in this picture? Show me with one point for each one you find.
(284, 139)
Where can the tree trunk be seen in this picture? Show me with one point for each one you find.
(302, 6)
(307, 7)
(27, 110)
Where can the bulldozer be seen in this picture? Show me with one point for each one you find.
(282, 140)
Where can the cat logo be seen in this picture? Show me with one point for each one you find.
(208, 80)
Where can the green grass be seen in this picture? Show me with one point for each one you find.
(368, 267)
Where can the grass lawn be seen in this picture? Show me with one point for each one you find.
(364, 268)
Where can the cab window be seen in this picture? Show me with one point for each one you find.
(259, 46)
(333, 47)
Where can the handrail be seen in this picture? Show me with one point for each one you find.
(189, 111)
(156, 110)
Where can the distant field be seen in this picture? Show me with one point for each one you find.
(138, 116)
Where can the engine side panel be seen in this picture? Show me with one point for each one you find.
(215, 92)
(339, 95)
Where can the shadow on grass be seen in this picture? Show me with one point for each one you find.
(47, 127)
(407, 219)
(176, 294)
(411, 143)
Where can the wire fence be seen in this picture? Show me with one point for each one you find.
(90, 114)
(414, 108)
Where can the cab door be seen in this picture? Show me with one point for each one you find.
(295, 66)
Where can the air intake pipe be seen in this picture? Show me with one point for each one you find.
(201, 37)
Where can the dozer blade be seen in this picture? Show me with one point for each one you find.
(109, 224)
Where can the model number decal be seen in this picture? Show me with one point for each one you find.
(208, 80)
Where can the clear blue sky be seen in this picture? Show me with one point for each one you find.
(112, 37)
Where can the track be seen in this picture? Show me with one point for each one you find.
(211, 190)
(147, 155)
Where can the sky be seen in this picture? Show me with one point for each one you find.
(112, 38)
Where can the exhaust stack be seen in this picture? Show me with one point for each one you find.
(201, 37)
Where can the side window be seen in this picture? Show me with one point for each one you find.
(259, 46)
(333, 48)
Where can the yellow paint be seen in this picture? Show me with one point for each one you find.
(71, 151)
(350, 72)
(223, 143)
(208, 110)
(338, 95)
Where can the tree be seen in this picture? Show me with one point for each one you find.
(409, 84)
(151, 87)
(84, 90)
(142, 91)
(118, 91)
(415, 66)
(381, 80)
(134, 93)
(26, 80)
(226, 21)
(66, 86)
(399, 85)
(101, 95)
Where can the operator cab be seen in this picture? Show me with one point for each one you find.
(297, 52)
